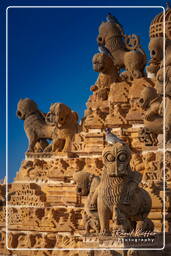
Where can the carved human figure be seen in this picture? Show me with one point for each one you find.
(119, 196)
(24, 241)
(39, 241)
(47, 220)
(111, 35)
(87, 185)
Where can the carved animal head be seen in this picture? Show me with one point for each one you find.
(156, 48)
(26, 107)
(146, 96)
(83, 180)
(60, 113)
(102, 63)
(116, 159)
(108, 30)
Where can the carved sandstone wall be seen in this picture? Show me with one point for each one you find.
(45, 209)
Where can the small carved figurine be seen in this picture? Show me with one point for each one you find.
(87, 185)
(150, 102)
(108, 72)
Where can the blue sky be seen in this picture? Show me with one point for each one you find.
(49, 58)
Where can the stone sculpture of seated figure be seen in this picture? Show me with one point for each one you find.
(86, 185)
(118, 195)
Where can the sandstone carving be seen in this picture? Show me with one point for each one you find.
(94, 118)
(108, 72)
(157, 41)
(87, 185)
(34, 122)
(150, 102)
(80, 192)
(111, 35)
(160, 90)
(156, 53)
(118, 191)
(66, 126)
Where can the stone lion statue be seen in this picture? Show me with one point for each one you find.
(87, 184)
(66, 125)
(119, 197)
(108, 72)
(36, 129)
(111, 36)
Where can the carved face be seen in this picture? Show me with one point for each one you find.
(102, 62)
(107, 30)
(59, 114)
(116, 159)
(25, 107)
(146, 96)
(160, 81)
(82, 180)
(156, 48)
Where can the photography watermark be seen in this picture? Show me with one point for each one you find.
(135, 233)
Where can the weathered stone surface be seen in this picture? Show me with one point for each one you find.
(61, 198)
